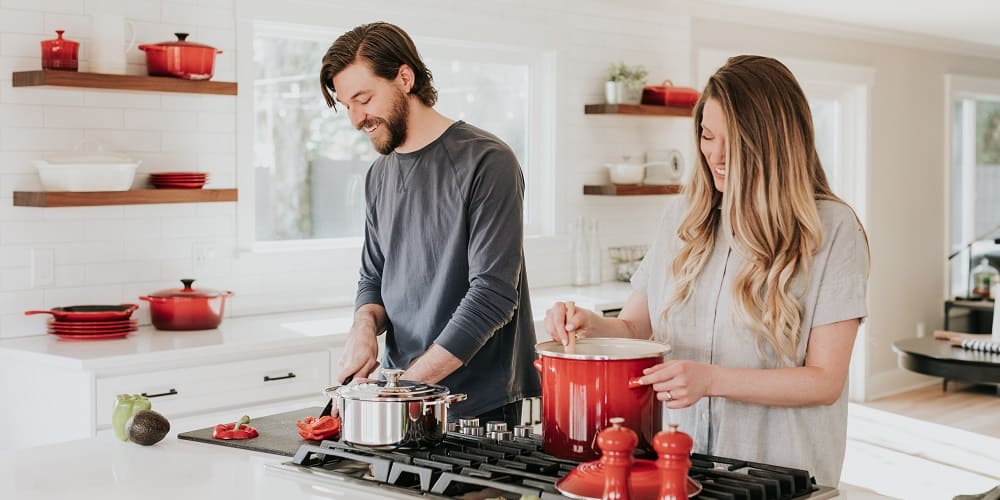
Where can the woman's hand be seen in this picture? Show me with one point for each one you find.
(679, 383)
(564, 319)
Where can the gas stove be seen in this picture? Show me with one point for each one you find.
(472, 467)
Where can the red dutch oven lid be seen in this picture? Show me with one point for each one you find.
(187, 292)
(180, 42)
(605, 349)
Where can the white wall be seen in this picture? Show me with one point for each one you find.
(907, 208)
(114, 254)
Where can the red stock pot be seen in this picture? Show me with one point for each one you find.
(186, 308)
(180, 58)
(583, 389)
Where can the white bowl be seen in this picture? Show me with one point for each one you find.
(86, 176)
(626, 173)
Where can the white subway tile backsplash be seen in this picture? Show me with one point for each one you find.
(216, 122)
(22, 44)
(20, 115)
(17, 162)
(83, 213)
(20, 21)
(114, 99)
(63, 6)
(220, 104)
(160, 120)
(215, 227)
(121, 272)
(199, 142)
(80, 117)
(224, 40)
(71, 296)
(15, 256)
(43, 231)
(161, 210)
(38, 139)
(18, 325)
(18, 182)
(152, 250)
(217, 163)
(126, 141)
(76, 27)
(17, 278)
(90, 252)
(124, 229)
(18, 302)
(67, 276)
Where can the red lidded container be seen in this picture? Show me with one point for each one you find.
(60, 53)
(180, 58)
(186, 308)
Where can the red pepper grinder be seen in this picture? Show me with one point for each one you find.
(616, 444)
(60, 53)
(674, 450)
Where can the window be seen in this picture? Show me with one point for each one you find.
(974, 170)
(310, 163)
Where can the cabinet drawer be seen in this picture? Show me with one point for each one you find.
(191, 390)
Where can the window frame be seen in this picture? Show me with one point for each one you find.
(539, 170)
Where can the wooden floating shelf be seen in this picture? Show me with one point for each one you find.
(133, 197)
(48, 77)
(631, 189)
(637, 109)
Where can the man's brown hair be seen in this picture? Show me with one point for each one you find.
(385, 47)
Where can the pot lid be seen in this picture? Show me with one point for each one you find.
(605, 349)
(187, 291)
(182, 42)
(392, 389)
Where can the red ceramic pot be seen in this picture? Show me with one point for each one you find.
(180, 58)
(582, 390)
(60, 53)
(186, 308)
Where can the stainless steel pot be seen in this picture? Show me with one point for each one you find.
(393, 413)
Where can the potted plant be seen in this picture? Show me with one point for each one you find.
(624, 85)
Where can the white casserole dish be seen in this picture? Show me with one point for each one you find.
(87, 171)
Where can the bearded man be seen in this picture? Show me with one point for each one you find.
(442, 268)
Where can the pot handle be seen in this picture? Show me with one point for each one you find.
(153, 48)
(149, 299)
(455, 398)
(30, 313)
(633, 383)
(538, 364)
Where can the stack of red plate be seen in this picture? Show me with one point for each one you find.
(90, 322)
(178, 180)
(91, 330)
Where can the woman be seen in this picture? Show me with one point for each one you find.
(757, 278)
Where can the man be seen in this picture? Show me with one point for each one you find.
(442, 268)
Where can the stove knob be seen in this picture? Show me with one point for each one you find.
(496, 426)
(475, 431)
(504, 436)
(468, 422)
(453, 427)
(523, 431)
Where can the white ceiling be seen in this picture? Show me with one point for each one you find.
(976, 21)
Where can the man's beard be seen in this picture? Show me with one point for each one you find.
(395, 126)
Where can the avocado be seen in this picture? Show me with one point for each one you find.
(147, 427)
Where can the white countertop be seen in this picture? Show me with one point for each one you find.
(270, 332)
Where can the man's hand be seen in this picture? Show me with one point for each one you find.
(360, 356)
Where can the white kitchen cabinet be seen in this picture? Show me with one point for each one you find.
(57, 391)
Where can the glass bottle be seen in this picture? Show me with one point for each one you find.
(581, 255)
(594, 253)
(983, 277)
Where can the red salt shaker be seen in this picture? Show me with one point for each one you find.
(60, 53)
(674, 450)
(616, 444)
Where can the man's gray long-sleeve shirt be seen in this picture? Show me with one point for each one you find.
(444, 255)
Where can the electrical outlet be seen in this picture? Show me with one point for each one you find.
(42, 267)
(203, 258)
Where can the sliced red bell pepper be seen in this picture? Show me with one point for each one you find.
(235, 430)
(318, 429)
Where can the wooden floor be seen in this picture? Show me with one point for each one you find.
(974, 408)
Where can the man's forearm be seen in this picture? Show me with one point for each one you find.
(432, 366)
(372, 315)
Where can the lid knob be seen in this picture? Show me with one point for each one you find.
(392, 376)
(616, 443)
(674, 461)
(187, 284)
(181, 36)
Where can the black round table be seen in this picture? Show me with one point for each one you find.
(931, 356)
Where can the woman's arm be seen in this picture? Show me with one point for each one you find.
(821, 381)
(632, 321)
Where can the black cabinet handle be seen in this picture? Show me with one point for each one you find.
(171, 392)
(271, 379)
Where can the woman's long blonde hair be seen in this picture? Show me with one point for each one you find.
(773, 181)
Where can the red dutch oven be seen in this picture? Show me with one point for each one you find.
(180, 58)
(186, 308)
(583, 389)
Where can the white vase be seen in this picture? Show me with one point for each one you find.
(613, 92)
